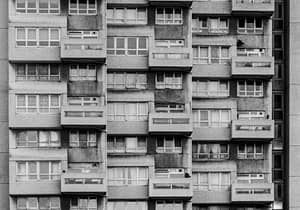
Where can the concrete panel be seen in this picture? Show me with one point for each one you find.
(81, 155)
(294, 161)
(208, 197)
(131, 161)
(4, 137)
(4, 176)
(128, 192)
(294, 186)
(127, 95)
(4, 198)
(127, 127)
(211, 7)
(3, 42)
(211, 71)
(127, 62)
(214, 134)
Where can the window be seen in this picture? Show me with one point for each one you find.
(168, 144)
(82, 34)
(169, 43)
(80, 72)
(250, 25)
(127, 15)
(210, 88)
(168, 16)
(127, 205)
(211, 54)
(170, 173)
(37, 170)
(250, 52)
(82, 7)
(36, 138)
(37, 103)
(37, 37)
(278, 166)
(250, 151)
(38, 6)
(83, 138)
(127, 111)
(170, 80)
(127, 46)
(210, 208)
(250, 88)
(86, 203)
(210, 151)
(252, 178)
(120, 144)
(212, 25)
(278, 106)
(211, 180)
(168, 205)
(38, 203)
(126, 80)
(83, 101)
(251, 115)
(118, 176)
(37, 72)
(169, 108)
(211, 118)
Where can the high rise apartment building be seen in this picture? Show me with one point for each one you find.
(140, 105)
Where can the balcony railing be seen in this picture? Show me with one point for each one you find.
(261, 192)
(83, 49)
(258, 66)
(170, 57)
(170, 188)
(170, 122)
(253, 6)
(83, 116)
(253, 129)
(83, 182)
(210, 156)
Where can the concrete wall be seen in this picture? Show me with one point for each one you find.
(4, 174)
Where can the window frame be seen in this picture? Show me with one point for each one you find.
(123, 115)
(125, 19)
(209, 155)
(76, 74)
(245, 155)
(79, 207)
(125, 85)
(208, 60)
(87, 9)
(245, 30)
(256, 92)
(116, 150)
(209, 186)
(164, 18)
(125, 179)
(38, 9)
(173, 148)
(169, 82)
(76, 143)
(209, 122)
(38, 141)
(125, 51)
(37, 199)
(38, 76)
(207, 93)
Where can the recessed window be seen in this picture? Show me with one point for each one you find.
(37, 103)
(83, 202)
(251, 115)
(250, 151)
(37, 37)
(38, 138)
(82, 138)
(169, 108)
(38, 6)
(168, 16)
(253, 178)
(211, 118)
(169, 43)
(127, 46)
(127, 111)
(82, 7)
(210, 88)
(118, 176)
(83, 101)
(82, 34)
(37, 171)
(37, 72)
(127, 15)
(210, 151)
(211, 54)
(211, 181)
(120, 144)
(86, 72)
(126, 80)
(38, 203)
(250, 88)
(168, 144)
(212, 25)
(250, 52)
(250, 25)
(169, 80)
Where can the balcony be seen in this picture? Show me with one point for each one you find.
(252, 193)
(80, 116)
(87, 50)
(170, 188)
(253, 7)
(253, 129)
(74, 181)
(253, 66)
(170, 58)
(170, 123)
